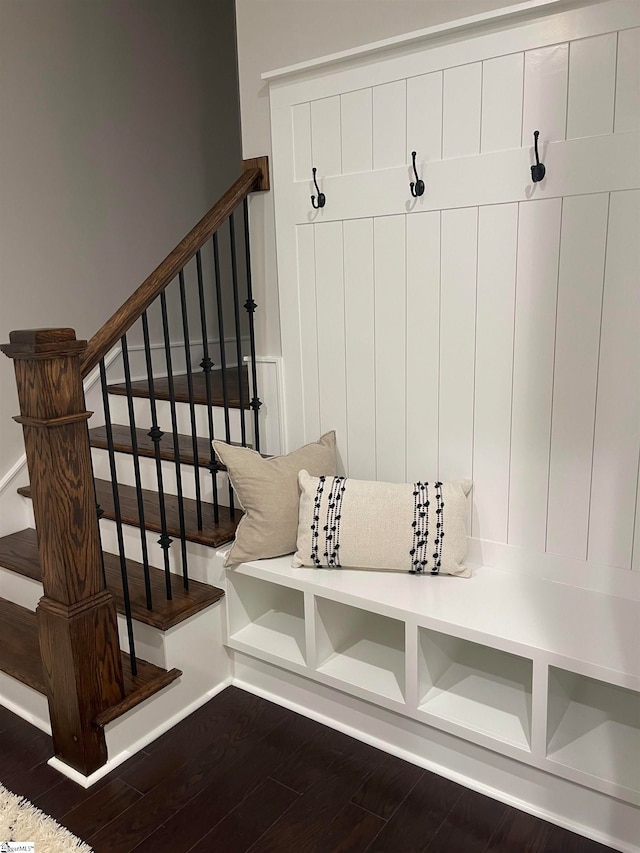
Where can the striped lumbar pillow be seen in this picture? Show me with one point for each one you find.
(414, 527)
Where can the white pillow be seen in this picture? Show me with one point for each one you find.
(417, 527)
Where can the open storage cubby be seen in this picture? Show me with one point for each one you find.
(594, 727)
(361, 648)
(475, 686)
(267, 616)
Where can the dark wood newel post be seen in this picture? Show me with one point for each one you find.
(76, 616)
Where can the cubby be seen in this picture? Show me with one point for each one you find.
(361, 648)
(475, 686)
(267, 616)
(594, 727)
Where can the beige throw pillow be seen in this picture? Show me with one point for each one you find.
(268, 492)
(410, 527)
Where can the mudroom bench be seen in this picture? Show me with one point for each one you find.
(541, 672)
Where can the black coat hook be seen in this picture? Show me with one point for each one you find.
(417, 187)
(322, 199)
(537, 170)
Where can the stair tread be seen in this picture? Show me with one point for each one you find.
(20, 658)
(140, 388)
(122, 444)
(19, 553)
(212, 534)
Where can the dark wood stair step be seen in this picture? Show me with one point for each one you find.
(212, 534)
(19, 553)
(20, 658)
(140, 388)
(122, 444)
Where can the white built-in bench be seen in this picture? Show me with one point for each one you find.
(538, 671)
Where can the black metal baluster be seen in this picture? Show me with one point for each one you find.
(206, 364)
(176, 442)
(192, 406)
(223, 356)
(136, 468)
(251, 306)
(236, 314)
(118, 517)
(155, 434)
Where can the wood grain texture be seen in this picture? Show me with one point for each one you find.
(76, 617)
(122, 444)
(212, 534)
(235, 394)
(19, 553)
(198, 788)
(153, 286)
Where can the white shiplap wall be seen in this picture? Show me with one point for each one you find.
(491, 328)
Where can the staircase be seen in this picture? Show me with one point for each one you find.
(163, 502)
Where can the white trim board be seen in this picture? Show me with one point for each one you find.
(528, 9)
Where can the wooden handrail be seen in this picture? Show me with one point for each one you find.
(255, 176)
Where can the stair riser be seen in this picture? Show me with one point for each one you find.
(119, 411)
(201, 562)
(20, 589)
(148, 474)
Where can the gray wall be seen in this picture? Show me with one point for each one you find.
(119, 129)
(276, 33)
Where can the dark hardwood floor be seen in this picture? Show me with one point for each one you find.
(242, 774)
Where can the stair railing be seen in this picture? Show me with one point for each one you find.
(76, 617)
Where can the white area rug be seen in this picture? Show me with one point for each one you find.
(20, 822)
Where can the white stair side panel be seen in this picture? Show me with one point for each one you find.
(627, 108)
(497, 243)
(310, 402)
(390, 343)
(301, 120)
(457, 342)
(423, 344)
(390, 125)
(331, 334)
(502, 102)
(357, 131)
(535, 327)
(546, 72)
(359, 306)
(617, 431)
(461, 110)
(325, 136)
(424, 117)
(580, 283)
(592, 77)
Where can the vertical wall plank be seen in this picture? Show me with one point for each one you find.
(535, 329)
(301, 120)
(497, 242)
(357, 131)
(390, 124)
(457, 342)
(546, 72)
(331, 338)
(627, 111)
(617, 435)
(635, 563)
(325, 136)
(390, 342)
(424, 116)
(309, 330)
(592, 74)
(583, 238)
(423, 344)
(502, 102)
(461, 110)
(359, 303)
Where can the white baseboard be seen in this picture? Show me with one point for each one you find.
(125, 754)
(589, 813)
